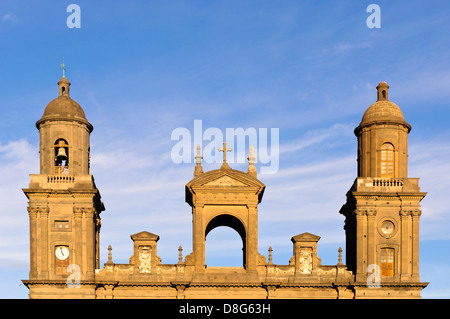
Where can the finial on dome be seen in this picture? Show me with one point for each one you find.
(251, 162)
(382, 91)
(64, 68)
(198, 160)
(64, 84)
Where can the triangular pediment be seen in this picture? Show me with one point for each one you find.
(225, 181)
(225, 178)
(144, 235)
(221, 180)
(305, 237)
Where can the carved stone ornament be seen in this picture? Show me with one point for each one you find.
(145, 258)
(305, 263)
(225, 181)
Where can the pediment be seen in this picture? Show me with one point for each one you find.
(305, 237)
(225, 178)
(144, 235)
(225, 181)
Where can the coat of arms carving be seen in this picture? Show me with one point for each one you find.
(145, 258)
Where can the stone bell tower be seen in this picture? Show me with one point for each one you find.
(382, 211)
(64, 203)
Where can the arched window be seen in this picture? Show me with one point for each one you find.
(387, 262)
(387, 160)
(61, 156)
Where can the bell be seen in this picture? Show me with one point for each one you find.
(61, 153)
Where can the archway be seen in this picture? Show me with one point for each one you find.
(224, 233)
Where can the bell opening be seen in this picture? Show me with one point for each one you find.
(61, 157)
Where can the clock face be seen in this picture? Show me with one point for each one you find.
(387, 228)
(62, 252)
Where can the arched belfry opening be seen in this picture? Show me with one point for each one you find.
(234, 224)
(61, 156)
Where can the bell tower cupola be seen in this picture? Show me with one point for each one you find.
(382, 90)
(64, 87)
(64, 135)
(383, 139)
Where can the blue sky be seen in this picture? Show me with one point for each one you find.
(141, 69)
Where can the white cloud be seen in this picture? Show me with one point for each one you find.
(10, 17)
(315, 137)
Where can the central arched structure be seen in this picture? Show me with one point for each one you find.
(225, 197)
(232, 222)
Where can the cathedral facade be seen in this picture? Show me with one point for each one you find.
(382, 215)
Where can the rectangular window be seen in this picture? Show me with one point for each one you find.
(61, 224)
(383, 168)
(387, 262)
(387, 160)
(391, 168)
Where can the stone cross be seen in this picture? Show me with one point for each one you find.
(198, 157)
(224, 149)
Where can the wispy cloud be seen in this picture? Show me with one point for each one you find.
(316, 136)
(10, 18)
(345, 47)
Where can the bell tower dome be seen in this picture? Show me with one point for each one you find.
(64, 135)
(383, 139)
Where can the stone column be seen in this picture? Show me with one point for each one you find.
(198, 237)
(361, 256)
(415, 244)
(371, 247)
(46, 251)
(252, 237)
(77, 248)
(33, 213)
(405, 261)
(90, 239)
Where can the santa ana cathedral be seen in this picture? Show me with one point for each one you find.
(381, 223)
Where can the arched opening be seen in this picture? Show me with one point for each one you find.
(226, 245)
(387, 160)
(61, 148)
